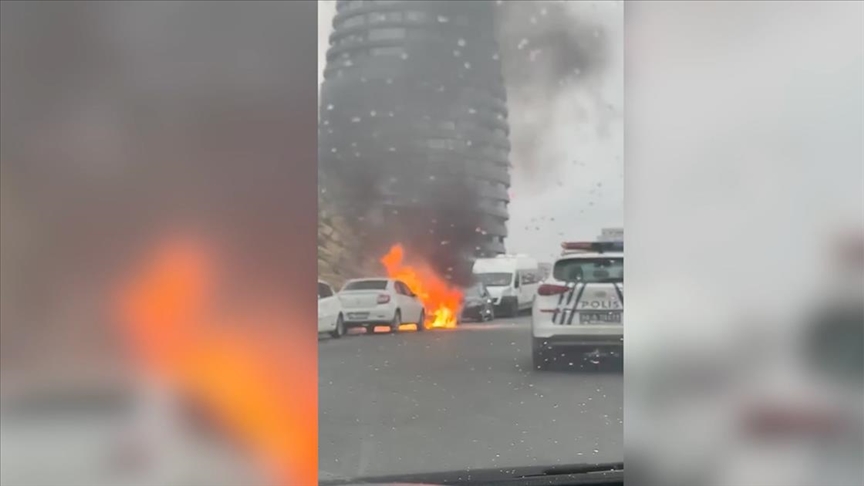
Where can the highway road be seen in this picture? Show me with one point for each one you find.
(460, 399)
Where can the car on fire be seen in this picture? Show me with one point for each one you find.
(580, 306)
(372, 302)
(477, 303)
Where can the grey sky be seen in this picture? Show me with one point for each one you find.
(578, 187)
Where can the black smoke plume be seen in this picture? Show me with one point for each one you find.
(550, 50)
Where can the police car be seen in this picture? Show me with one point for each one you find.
(580, 306)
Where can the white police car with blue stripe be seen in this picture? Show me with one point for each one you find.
(580, 307)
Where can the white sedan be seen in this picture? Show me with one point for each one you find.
(380, 302)
(330, 316)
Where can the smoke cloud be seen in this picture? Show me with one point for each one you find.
(554, 54)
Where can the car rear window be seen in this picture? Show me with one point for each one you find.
(590, 270)
(366, 285)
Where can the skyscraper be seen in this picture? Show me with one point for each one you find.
(413, 129)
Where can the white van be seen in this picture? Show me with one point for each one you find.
(512, 281)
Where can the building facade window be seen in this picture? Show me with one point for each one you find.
(353, 21)
(387, 51)
(387, 34)
(377, 17)
(415, 16)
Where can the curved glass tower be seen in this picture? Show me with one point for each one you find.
(413, 125)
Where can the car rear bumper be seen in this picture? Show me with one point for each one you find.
(475, 312)
(576, 334)
(354, 324)
(579, 341)
(365, 316)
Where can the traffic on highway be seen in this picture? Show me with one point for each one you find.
(579, 307)
(529, 363)
(456, 335)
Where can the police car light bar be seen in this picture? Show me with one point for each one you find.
(595, 246)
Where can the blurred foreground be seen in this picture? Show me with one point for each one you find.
(151, 288)
(744, 200)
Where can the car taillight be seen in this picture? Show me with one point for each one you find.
(383, 299)
(552, 289)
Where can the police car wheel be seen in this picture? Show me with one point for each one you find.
(540, 357)
(540, 360)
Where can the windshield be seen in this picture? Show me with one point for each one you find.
(441, 168)
(495, 279)
(590, 270)
(475, 291)
(365, 285)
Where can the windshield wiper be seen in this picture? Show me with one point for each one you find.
(577, 474)
(578, 469)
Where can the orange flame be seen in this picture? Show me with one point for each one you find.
(246, 377)
(441, 300)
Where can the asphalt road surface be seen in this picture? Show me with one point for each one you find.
(460, 399)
